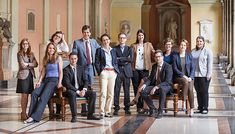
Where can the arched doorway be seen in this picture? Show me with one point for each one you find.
(167, 18)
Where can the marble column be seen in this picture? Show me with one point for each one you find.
(233, 41)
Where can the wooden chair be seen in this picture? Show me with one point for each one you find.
(59, 98)
(175, 96)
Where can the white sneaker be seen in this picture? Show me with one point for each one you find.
(29, 120)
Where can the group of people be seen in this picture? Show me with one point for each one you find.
(116, 67)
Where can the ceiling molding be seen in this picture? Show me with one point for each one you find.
(127, 3)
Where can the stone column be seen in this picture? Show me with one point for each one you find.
(46, 35)
(233, 42)
(230, 69)
(70, 21)
(5, 58)
(145, 19)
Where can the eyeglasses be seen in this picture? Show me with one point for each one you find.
(157, 56)
(168, 44)
(58, 36)
(25, 43)
(122, 37)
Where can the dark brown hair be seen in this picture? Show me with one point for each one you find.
(21, 51)
(140, 31)
(57, 32)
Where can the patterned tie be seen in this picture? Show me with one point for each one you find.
(88, 58)
(158, 80)
(75, 77)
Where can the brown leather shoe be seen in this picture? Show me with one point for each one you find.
(133, 102)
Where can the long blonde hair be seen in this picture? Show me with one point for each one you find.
(47, 59)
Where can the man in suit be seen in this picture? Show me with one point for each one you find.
(124, 59)
(76, 83)
(85, 49)
(159, 82)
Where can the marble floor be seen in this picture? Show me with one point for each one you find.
(219, 120)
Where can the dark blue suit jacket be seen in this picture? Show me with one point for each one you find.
(124, 60)
(69, 79)
(165, 76)
(189, 66)
(100, 60)
(78, 47)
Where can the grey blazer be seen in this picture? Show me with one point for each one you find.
(78, 47)
(205, 61)
(23, 71)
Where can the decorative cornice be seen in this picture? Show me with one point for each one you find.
(127, 3)
(146, 8)
(201, 2)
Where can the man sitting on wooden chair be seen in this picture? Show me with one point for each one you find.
(76, 83)
(159, 82)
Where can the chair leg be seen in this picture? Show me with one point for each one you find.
(166, 106)
(175, 105)
(51, 109)
(187, 106)
(63, 109)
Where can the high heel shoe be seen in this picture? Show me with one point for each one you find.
(191, 112)
(132, 103)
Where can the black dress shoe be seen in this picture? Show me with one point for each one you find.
(153, 113)
(159, 115)
(204, 112)
(198, 111)
(83, 113)
(144, 111)
(108, 115)
(74, 119)
(115, 112)
(127, 112)
(92, 117)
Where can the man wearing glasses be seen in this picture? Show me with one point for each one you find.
(159, 82)
(124, 59)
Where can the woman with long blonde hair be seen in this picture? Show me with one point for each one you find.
(50, 79)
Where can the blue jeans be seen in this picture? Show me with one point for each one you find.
(40, 97)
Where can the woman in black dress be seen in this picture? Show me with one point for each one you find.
(27, 63)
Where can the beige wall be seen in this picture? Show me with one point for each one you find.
(210, 11)
(105, 13)
(35, 37)
(58, 16)
(123, 10)
(78, 18)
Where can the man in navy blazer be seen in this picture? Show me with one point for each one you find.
(86, 49)
(124, 59)
(158, 83)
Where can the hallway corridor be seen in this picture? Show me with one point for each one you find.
(219, 120)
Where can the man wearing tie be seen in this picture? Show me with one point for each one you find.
(124, 59)
(86, 49)
(76, 83)
(159, 82)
